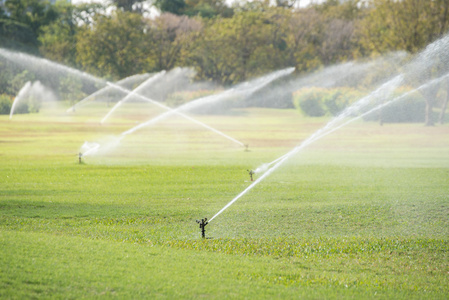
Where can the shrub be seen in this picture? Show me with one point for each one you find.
(25, 106)
(317, 102)
(309, 101)
(5, 104)
(407, 109)
(180, 98)
(338, 99)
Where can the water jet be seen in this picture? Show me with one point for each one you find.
(428, 57)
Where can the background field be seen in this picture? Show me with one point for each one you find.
(362, 213)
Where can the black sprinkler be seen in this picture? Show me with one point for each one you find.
(251, 173)
(80, 156)
(203, 224)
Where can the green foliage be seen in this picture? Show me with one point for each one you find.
(170, 36)
(180, 98)
(17, 36)
(338, 99)
(224, 44)
(310, 101)
(317, 102)
(101, 50)
(5, 104)
(176, 7)
(202, 8)
(258, 46)
(126, 5)
(402, 25)
(406, 109)
(58, 39)
(19, 81)
(32, 13)
(70, 89)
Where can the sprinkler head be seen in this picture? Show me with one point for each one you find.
(246, 147)
(80, 155)
(203, 223)
(251, 173)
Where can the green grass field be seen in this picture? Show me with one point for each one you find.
(362, 213)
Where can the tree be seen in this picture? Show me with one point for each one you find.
(32, 13)
(407, 25)
(231, 50)
(18, 36)
(286, 3)
(58, 39)
(176, 7)
(114, 46)
(202, 8)
(208, 8)
(21, 22)
(305, 28)
(169, 35)
(136, 6)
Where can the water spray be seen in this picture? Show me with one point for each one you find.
(144, 84)
(331, 127)
(106, 88)
(203, 223)
(169, 111)
(244, 89)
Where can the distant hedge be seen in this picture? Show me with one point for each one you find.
(318, 102)
(30, 106)
(403, 109)
(5, 104)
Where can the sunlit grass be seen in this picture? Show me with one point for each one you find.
(360, 214)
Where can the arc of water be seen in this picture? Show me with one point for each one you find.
(91, 148)
(129, 95)
(26, 59)
(322, 133)
(174, 111)
(246, 88)
(23, 91)
(82, 101)
(100, 91)
(382, 91)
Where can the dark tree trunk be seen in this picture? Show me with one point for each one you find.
(444, 105)
(429, 111)
(430, 96)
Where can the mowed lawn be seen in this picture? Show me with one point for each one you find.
(362, 213)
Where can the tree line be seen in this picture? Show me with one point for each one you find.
(224, 44)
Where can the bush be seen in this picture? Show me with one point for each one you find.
(5, 104)
(408, 109)
(25, 106)
(317, 102)
(338, 99)
(310, 101)
(180, 98)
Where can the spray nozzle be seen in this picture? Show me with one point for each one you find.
(251, 173)
(203, 223)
